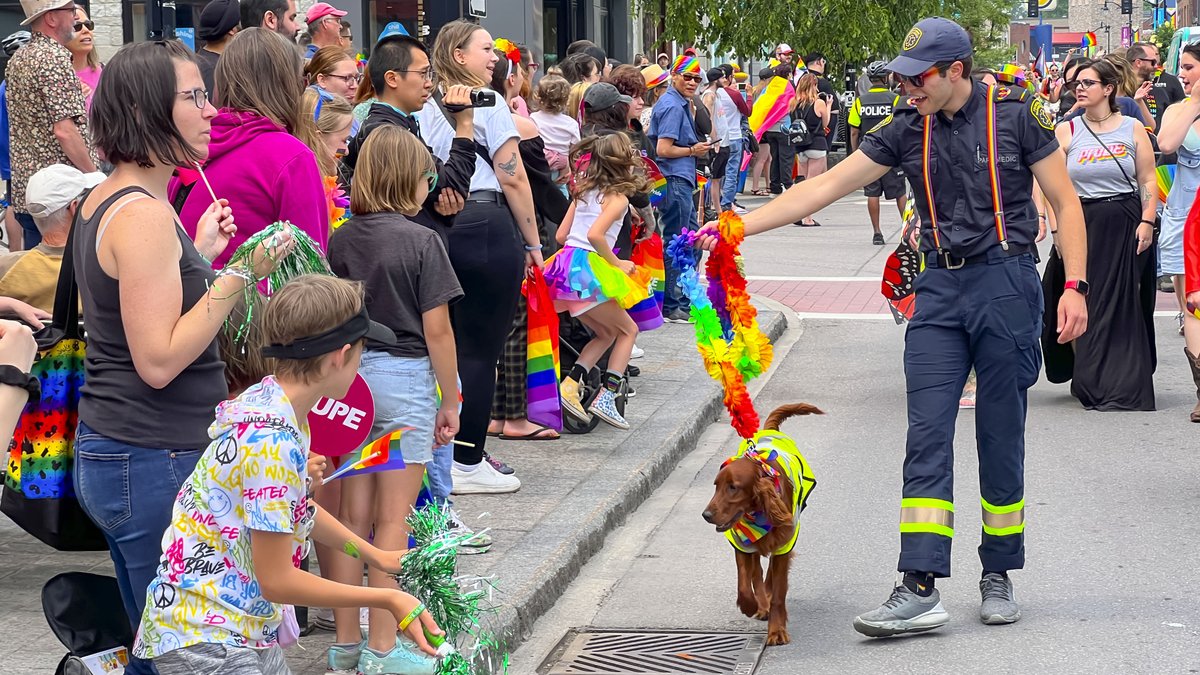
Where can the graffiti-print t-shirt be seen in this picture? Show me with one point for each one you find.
(251, 478)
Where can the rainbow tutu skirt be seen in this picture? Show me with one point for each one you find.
(579, 280)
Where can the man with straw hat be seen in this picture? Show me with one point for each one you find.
(47, 118)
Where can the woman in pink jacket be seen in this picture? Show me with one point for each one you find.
(254, 161)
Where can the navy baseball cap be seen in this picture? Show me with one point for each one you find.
(931, 41)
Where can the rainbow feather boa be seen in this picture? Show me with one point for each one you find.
(728, 337)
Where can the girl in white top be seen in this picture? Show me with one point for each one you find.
(587, 279)
(559, 130)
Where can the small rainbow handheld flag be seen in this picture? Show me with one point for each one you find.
(374, 457)
(542, 365)
(1166, 178)
(658, 182)
(1088, 42)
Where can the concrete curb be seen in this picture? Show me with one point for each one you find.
(546, 561)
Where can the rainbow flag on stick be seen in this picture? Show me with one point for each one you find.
(771, 105)
(542, 365)
(1088, 43)
(374, 457)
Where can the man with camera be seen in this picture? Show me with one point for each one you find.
(403, 79)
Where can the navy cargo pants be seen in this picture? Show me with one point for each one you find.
(988, 316)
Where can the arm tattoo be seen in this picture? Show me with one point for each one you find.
(509, 167)
(350, 549)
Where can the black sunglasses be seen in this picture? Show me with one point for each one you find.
(89, 24)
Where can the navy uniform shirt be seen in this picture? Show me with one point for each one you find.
(958, 167)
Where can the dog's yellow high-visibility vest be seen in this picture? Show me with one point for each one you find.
(763, 447)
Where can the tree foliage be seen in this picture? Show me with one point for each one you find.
(846, 31)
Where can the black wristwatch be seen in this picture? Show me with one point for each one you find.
(1078, 285)
(15, 377)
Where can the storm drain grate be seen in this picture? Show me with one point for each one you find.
(645, 652)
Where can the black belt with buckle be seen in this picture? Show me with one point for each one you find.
(949, 261)
(487, 197)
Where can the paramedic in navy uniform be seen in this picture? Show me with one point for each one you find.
(978, 303)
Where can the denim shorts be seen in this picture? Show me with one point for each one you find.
(405, 393)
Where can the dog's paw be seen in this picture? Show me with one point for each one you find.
(763, 612)
(748, 605)
(777, 636)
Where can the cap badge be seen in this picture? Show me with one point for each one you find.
(911, 40)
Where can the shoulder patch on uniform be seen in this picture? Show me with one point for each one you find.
(911, 40)
(1042, 114)
(882, 123)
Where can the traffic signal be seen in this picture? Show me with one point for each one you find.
(1127, 6)
(1032, 12)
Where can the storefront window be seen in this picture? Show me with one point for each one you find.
(382, 12)
(136, 19)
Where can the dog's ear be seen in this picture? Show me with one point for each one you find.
(770, 501)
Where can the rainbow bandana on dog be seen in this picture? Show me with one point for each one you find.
(764, 447)
(685, 64)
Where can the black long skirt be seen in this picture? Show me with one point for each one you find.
(1115, 359)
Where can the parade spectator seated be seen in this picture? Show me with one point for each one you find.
(52, 198)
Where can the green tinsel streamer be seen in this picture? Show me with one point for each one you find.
(305, 258)
(428, 571)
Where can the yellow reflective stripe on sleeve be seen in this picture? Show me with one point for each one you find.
(1000, 521)
(919, 514)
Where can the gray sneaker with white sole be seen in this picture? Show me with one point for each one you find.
(999, 604)
(904, 612)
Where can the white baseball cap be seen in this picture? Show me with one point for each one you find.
(783, 48)
(56, 186)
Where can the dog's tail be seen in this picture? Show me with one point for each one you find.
(783, 412)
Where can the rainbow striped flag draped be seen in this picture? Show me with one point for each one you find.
(658, 182)
(542, 369)
(771, 105)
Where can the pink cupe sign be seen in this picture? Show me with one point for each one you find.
(341, 426)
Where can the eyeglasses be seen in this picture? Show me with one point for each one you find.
(919, 80)
(431, 178)
(346, 37)
(426, 74)
(80, 25)
(1153, 62)
(1086, 84)
(692, 78)
(348, 79)
(199, 96)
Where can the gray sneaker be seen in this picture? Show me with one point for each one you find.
(999, 606)
(904, 612)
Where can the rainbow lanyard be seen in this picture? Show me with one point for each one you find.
(993, 173)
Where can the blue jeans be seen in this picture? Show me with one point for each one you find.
(32, 235)
(678, 212)
(129, 492)
(729, 182)
(405, 393)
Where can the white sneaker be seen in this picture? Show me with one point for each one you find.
(484, 480)
(637, 352)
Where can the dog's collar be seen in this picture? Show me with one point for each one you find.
(750, 528)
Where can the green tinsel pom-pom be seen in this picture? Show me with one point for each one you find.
(458, 604)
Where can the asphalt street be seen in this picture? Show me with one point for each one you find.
(1110, 583)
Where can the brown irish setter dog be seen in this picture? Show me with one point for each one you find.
(744, 487)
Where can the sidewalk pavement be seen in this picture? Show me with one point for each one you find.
(574, 492)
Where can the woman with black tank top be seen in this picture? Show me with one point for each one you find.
(814, 110)
(153, 307)
(493, 242)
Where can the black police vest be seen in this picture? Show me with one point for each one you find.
(874, 107)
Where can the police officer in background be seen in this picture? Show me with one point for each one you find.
(868, 111)
(978, 303)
